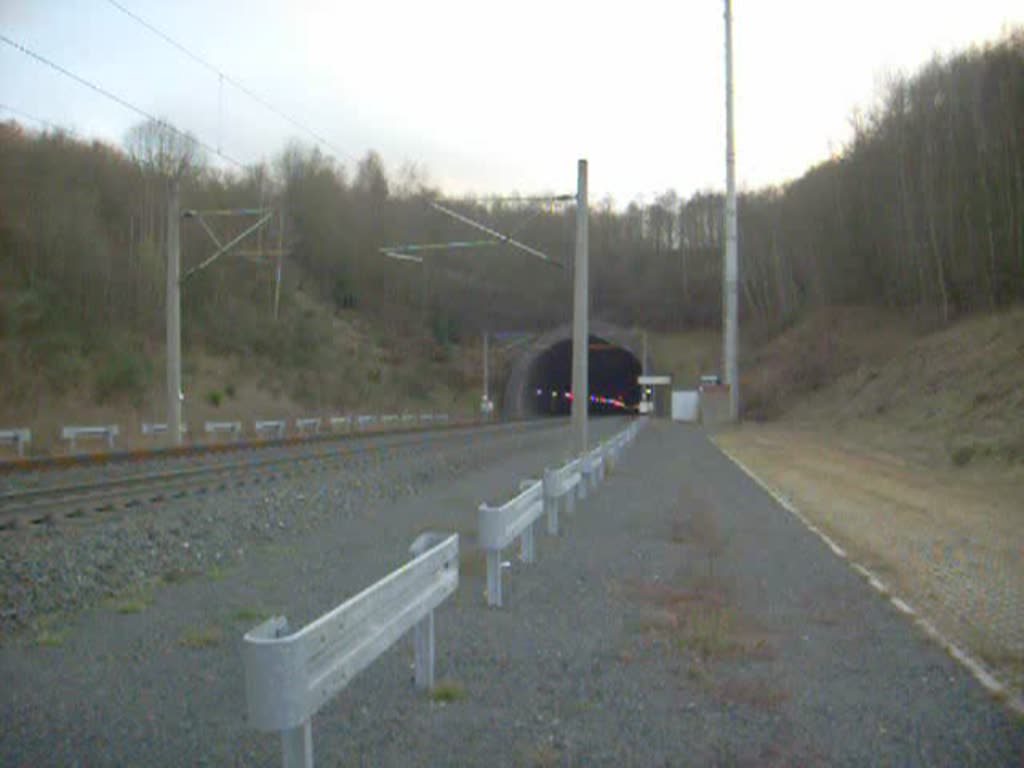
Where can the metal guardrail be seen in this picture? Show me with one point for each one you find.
(107, 432)
(289, 677)
(149, 429)
(559, 484)
(270, 428)
(19, 438)
(223, 428)
(310, 425)
(340, 422)
(500, 526)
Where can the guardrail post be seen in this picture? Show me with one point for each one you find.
(550, 501)
(494, 578)
(297, 746)
(423, 631)
(526, 551)
(423, 642)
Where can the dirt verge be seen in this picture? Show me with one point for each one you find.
(951, 544)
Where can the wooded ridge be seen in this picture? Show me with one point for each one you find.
(923, 209)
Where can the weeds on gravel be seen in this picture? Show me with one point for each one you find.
(695, 524)
(251, 615)
(201, 637)
(447, 691)
(179, 576)
(754, 693)
(545, 755)
(137, 605)
(472, 564)
(217, 573)
(51, 638)
(51, 630)
(134, 601)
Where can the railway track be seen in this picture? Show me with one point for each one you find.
(57, 502)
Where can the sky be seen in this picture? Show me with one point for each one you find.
(489, 97)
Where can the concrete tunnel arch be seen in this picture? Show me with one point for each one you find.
(520, 388)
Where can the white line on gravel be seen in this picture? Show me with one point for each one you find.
(984, 676)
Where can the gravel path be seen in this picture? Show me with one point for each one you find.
(682, 618)
(951, 545)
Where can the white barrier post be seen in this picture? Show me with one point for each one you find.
(297, 746)
(526, 550)
(423, 631)
(581, 489)
(570, 502)
(551, 501)
(494, 577)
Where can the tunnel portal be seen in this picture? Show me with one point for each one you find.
(612, 374)
(540, 383)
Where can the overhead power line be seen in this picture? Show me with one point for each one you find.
(230, 80)
(114, 97)
(25, 115)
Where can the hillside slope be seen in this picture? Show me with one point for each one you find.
(955, 396)
(320, 363)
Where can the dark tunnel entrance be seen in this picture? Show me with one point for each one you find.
(612, 374)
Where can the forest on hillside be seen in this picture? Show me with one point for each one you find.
(924, 209)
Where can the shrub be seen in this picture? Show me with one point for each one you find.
(121, 373)
(214, 397)
(962, 455)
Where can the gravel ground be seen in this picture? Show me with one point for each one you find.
(949, 544)
(681, 618)
(56, 568)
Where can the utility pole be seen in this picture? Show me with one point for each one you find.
(580, 318)
(280, 251)
(730, 305)
(174, 394)
(486, 372)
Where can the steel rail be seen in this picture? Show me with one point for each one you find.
(52, 503)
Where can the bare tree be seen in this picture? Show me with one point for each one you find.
(163, 150)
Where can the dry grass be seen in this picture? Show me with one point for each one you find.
(699, 622)
(544, 755)
(251, 615)
(201, 637)
(51, 638)
(695, 524)
(753, 693)
(472, 564)
(686, 356)
(696, 616)
(135, 600)
(51, 630)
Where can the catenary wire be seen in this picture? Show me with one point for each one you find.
(229, 80)
(114, 97)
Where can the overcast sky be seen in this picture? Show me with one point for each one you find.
(494, 97)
